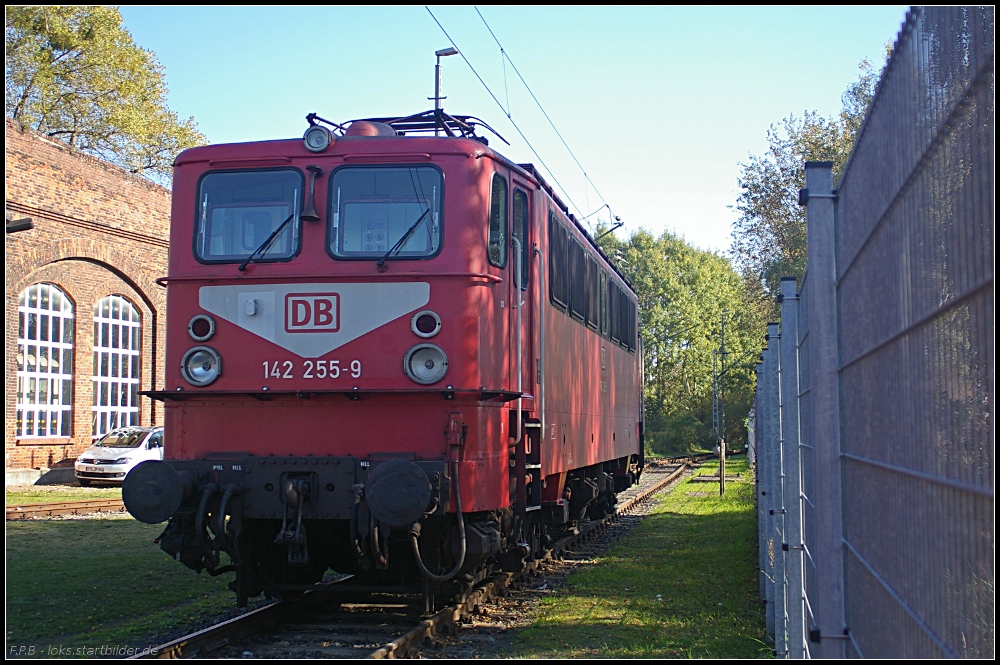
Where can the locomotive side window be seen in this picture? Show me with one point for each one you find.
(622, 318)
(520, 232)
(239, 210)
(579, 286)
(623, 303)
(631, 326)
(614, 305)
(602, 292)
(592, 292)
(497, 245)
(558, 264)
(385, 211)
(578, 281)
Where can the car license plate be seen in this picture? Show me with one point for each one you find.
(92, 469)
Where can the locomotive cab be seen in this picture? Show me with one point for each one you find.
(389, 355)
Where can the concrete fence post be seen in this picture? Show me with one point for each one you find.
(791, 469)
(828, 551)
(766, 455)
(759, 483)
(777, 502)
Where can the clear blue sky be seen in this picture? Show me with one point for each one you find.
(659, 104)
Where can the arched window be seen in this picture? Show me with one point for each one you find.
(44, 362)
(117, 333)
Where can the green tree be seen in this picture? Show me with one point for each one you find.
(74, 73)
(769, 237)
(682, 293)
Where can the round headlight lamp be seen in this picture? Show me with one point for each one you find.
(316, 138)
(201, 327)
(425, 363)
(425, 324)
(201, 365)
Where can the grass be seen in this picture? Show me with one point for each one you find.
(57, 493)
(682, 584)
(87, 583)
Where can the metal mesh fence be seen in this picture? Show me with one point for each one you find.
(893, 347)
(806, 464)
(915, 289)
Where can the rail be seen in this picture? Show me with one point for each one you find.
(27, 510)
(226, 633)
(213, 637)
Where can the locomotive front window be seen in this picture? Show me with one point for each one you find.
(392, 212)
(239, 210)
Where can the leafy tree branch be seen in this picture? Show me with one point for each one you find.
(682, 293)
(74, 73)
(769, 237)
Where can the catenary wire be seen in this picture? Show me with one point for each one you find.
(525, 138)
(504, 54)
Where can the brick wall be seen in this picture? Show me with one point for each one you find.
(98, 231)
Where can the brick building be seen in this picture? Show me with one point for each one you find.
(84, 315)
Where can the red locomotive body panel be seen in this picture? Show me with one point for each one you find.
(329, 344)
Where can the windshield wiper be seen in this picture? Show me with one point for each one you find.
(380, 266)
(267, 243)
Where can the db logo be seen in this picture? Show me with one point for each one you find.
(312, 312)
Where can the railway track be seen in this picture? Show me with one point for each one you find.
(28, 510)
(342, 620)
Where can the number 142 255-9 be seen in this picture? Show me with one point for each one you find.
(311, 369)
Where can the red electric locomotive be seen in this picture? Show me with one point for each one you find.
(391, 352)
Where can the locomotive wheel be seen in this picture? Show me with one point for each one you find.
(247, 584)
(602, 506)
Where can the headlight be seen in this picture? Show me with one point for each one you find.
(425, 363)
(425, 324)
(201, 366)
(201, 327)
(122, 460)
(317, 138)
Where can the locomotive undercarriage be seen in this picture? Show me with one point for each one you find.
(285, 522)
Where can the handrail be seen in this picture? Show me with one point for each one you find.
(520, 303)
(262, 160)
(541, 337)
(353, 393)
(163, 281)
(387, 157)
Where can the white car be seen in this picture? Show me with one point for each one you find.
(117, 452)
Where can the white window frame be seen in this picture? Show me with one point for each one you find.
(117, 364)
(44, 364)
